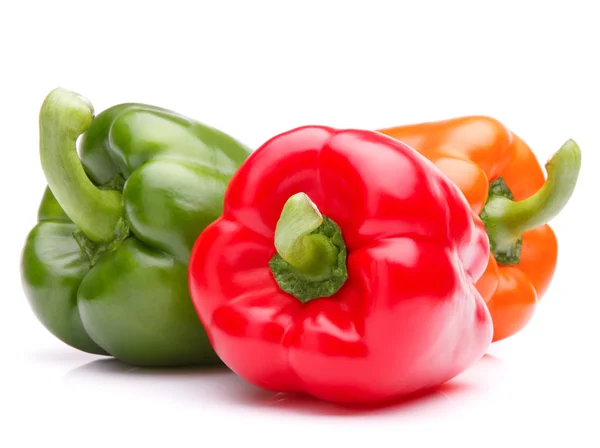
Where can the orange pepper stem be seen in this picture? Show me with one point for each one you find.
(507, 220)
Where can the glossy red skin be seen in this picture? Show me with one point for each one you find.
(408, 318)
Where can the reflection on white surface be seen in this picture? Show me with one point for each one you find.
(218, 386)
(73, 397)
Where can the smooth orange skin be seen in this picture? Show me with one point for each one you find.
(473, 151)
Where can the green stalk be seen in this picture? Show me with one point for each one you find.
(311, 253)
(506, 220)
(64, 116)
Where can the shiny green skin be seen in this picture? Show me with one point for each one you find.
(133, 302)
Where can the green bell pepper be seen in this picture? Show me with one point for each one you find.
(105, 268)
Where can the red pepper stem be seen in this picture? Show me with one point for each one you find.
(507, 220)
(311, 254)
(64, 116)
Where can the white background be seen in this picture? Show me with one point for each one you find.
(255, 69)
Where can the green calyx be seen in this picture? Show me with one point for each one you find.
(98, 212)
(311, 254)
(506, 220)
(95, 250)
(510, 252)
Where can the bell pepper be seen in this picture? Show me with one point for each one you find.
(343, 267)
(105, 269)
(504, 183)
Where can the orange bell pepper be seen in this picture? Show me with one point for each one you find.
(503, 182)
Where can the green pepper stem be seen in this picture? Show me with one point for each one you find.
(311, 254)
(64, 116)
(507, 220)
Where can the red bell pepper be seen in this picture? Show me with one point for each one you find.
(343, 267)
